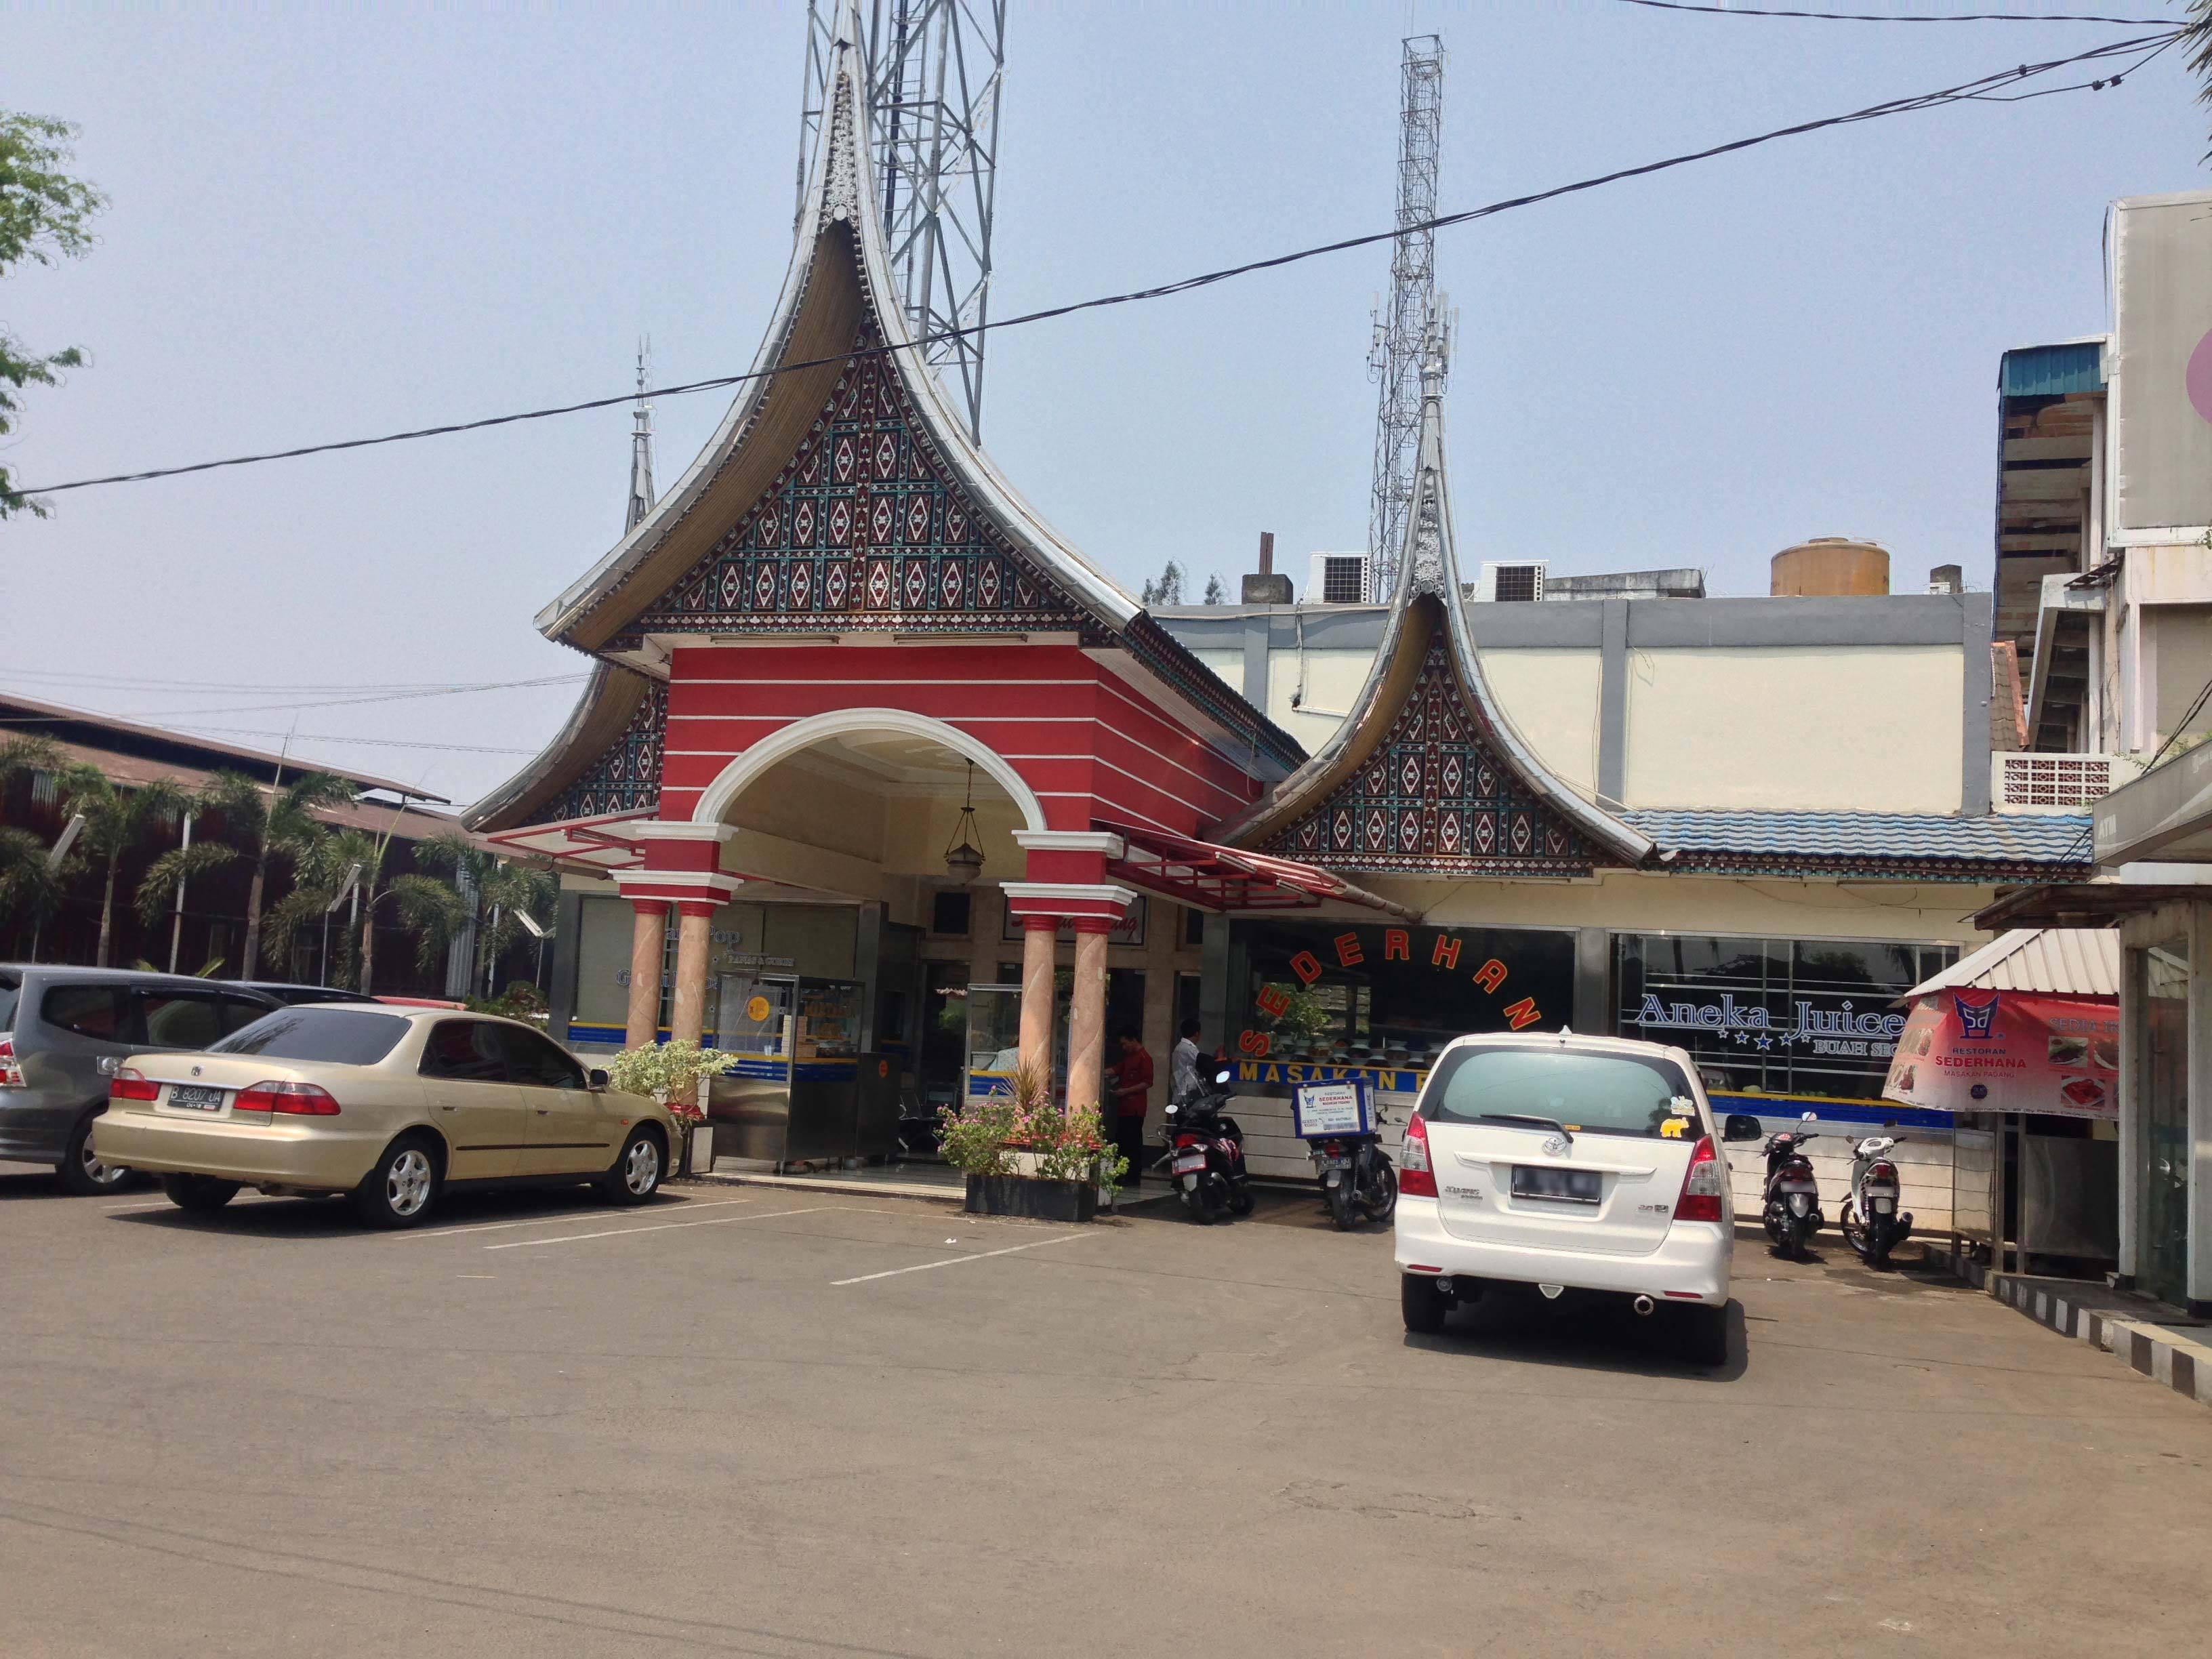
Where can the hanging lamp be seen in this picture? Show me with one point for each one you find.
(964, 859)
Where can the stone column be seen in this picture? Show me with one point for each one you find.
(1086, 1024)
(648, 941)
(1038, 934)
(687, 1018)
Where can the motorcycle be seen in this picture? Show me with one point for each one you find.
(1205, 1155)
(1870, 1222)
(1357, 1177)
(1792, 1211)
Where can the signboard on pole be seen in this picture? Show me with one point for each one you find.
(1322, 1110)
(2009, 1051)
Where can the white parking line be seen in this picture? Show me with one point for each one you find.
(955, 1261)
(666, 1226)
(545, 1221)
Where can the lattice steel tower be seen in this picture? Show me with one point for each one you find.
(1402, 324)
(934, 71)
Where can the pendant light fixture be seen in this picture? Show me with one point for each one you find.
(964, 859)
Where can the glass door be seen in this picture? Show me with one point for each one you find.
(2162, 1242)
(995, 1040)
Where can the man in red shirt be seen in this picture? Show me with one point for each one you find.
(1133, 1089)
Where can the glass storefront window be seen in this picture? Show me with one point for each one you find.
(1334, 994)
(2162, 1244)
(1808, 1018)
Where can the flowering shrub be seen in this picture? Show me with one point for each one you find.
(982, 1138)
(670, 1073)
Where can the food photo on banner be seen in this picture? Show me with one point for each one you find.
(2009, 1051)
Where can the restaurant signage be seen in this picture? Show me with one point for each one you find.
(2009, 1051)
(1350, 950)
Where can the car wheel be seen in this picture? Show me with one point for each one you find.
(637, 1169)
(1423, 1303)
(400, 1190)
(82, 1172)
(201, 1195)
(1705, 1335)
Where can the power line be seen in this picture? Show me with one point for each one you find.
(380, 743)
(136, 682)
(1979, 89)
(1904, 17)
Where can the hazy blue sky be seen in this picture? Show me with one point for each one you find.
(331, 222)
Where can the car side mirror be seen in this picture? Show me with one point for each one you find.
(598, 1077)
(1740, 1126)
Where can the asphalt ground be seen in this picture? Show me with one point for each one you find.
(744, 1421)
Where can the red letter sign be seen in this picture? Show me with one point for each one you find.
(1306, 966)
(1348, 954)
(1397, 945)
(1523, 1012)
(1491, 974)
(1446, 953)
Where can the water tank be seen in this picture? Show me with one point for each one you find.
(1830, 568)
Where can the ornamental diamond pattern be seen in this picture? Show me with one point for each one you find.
(1436, 796)
(628, 775)
(861, 531)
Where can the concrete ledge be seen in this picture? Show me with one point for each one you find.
(2119, 1324)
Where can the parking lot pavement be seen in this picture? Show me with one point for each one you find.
(798, 1423)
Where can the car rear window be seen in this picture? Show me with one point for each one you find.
(339, 1037)
(103, 1011)
(1582, 1090)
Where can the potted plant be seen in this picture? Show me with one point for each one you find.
(1024, 1156)
(671, 1072)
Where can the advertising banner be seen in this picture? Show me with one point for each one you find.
(1322, 1110)
(2009, 1051)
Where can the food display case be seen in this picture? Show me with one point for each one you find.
(803, 1090)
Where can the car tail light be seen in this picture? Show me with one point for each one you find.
(130, 1084)
(11, 1069)
(297, 1099)
(1701, 1185)
(1415, 1178)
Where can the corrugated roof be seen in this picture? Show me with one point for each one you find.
(2052, 371)
(2067, 962)
(1874, 841)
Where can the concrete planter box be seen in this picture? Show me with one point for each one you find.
(1030, 1196)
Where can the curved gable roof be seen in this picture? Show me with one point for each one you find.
(1481, 800)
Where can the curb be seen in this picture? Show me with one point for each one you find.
(2163, 1355)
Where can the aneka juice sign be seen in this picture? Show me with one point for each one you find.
(2009, 1051)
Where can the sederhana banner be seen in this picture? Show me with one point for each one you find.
(2009, 1051)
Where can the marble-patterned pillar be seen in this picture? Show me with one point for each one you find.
(649, 939)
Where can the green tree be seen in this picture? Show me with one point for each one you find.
(30, 885)
(115, 819)
(1215, 593)
(44, 218)
(157, 888)
(477, 888)
(263, 821)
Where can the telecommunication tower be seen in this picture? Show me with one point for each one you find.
(1403, 323)
(934, 71)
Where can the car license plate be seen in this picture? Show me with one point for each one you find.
(1187, 1162)
(188, 1099)
(1328, 1163)
(1558, 1186)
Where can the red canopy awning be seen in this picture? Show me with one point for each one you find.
(1216, 878)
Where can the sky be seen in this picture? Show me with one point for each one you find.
(329, 222)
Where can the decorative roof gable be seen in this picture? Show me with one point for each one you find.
(1426, 774)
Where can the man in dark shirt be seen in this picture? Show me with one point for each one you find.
(1133, 1089)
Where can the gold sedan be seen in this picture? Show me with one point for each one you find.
(389, 1106)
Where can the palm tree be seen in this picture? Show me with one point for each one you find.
(483, 890)
(116, 818)
(160, 888)
(262, 819)
(319, 866)
(33, 752)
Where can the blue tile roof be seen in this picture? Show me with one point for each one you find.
(1737, 839)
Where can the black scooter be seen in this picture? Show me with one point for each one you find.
(1792, 1211)
(1205, 1155)
(1357, 1177)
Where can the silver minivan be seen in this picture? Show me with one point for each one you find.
(58, 1026)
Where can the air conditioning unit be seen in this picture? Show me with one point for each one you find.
(1337, 579)
(1501, 583)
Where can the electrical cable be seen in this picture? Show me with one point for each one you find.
(1903, 17)
(1977, 90)
(134, 683)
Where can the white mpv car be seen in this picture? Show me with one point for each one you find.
(1570, 1164)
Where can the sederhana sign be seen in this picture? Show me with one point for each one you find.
(2009, 1051)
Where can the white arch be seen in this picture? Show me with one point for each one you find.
(733, 780)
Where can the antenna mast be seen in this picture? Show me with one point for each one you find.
(934, 71)
(1403, 323)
